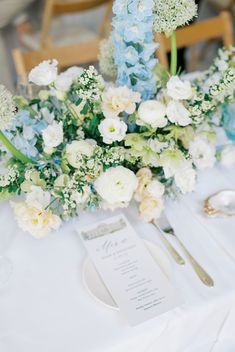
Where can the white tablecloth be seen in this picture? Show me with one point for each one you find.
(45, 307)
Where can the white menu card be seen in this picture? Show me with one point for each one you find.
(129, 272)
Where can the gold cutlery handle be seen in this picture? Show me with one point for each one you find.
(201, 273)
(177, 257)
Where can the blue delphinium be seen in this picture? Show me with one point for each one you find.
(134, 45)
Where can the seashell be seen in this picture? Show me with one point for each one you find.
(220, 204)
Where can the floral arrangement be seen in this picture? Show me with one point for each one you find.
(84, 144)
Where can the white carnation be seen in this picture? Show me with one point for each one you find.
(177, 113)
(179, 90)
(112, 130)
(116, 186)
(118, 100)
(45, 73)
(228, 156)
(53, 135)
(152, 112)
(202, 152)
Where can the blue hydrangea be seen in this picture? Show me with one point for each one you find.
(134, 45)
(24, 131)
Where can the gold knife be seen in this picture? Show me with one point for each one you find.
(177, 257)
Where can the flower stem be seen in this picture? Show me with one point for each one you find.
(173, 54)
(15, 152)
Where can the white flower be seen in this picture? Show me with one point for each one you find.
(202, 152)
(53, 135)
(171, 161)
(228, 156)
(80, 197)
(177, 113)
(45, 73)
(112, 130)
(38, 198)
(156, 146)
(153, 113)
(76, 150)
(170, 14)
(116, 185)
(38, 222)
(7, 108)
(64, 81)
(117, 100)
(179, 90)
(144, 176)
(155, 189)
(185, 178)
(47, 115)
(151, 208)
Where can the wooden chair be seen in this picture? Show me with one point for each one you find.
(69, 55)
(214, 28)
(61, 7)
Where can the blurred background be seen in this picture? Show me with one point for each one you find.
(71, 31)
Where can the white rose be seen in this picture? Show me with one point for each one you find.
(202, 152)
(155, 189)
(116, 185)
(64, 81)
(185, 178)
(177, 113)
(228, 156)
(151, 208)
(117, 100)
(53, 135)
(76, 150)
(45, 73)
(38, 198)
(112, 130)
(38, 222)
(152, 112)
(179, 90)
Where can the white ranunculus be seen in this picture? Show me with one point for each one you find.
(151, 208)
(116, 185)
(153, 113)
(228, 156)
(45, 73)
(118, 100)
(202, 152)
(38, 222)
(179, 90)
(64, 81)
(38, 198)
(112, 130)
(53, 135)
(185, 178)
(76, 150)
(155, 189)
(177, 113)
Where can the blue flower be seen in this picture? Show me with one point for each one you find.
(134, 44)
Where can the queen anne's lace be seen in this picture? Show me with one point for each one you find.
(7, 108)
(134, 45)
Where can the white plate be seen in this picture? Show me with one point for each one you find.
(97, 289)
